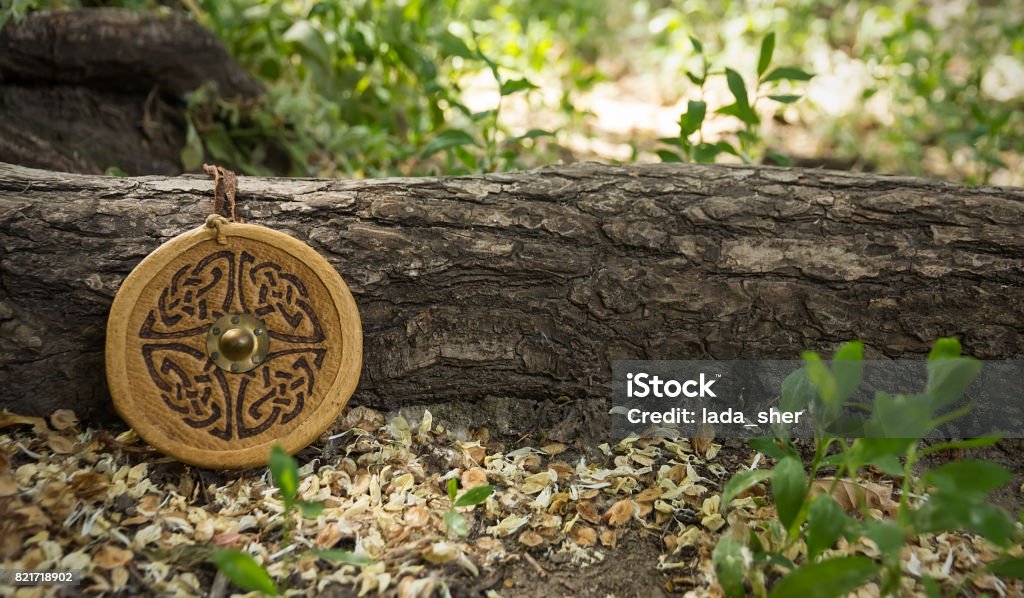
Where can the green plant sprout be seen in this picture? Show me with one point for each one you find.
(482, 153)
(684, 148)
(454, 521)
(953, 497)
(242, 569)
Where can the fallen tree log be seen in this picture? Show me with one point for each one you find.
(529, 285)
(100, 88)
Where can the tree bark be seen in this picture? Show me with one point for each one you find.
(529, 285)
(91, 89)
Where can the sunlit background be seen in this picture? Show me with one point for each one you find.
(374, 88)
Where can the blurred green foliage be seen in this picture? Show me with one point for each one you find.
(380, 87)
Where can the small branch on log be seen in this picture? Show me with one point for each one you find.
(529, 285)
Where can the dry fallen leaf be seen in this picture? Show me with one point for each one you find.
(583, 535)
(8, 487)
(705, 435)
(609, 538)
(649, 495)
(228, 540)
(8, 419)
(62, 445)
(119, 578)
(475, 452)
(62, 419)
(148, 505)
(89, 485)
(553, 449)
(441, 552)
(854, 496)
(588, 512)
(110, 556)
(620, 512)
(531, 539)
(471, 478)
(362, 418)
(328, 536)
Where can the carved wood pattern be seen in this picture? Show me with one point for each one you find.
(162, 379)
(226, 405)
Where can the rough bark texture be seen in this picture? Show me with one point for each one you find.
(528, 285)
(90, 89)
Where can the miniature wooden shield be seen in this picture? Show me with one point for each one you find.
(217, 349)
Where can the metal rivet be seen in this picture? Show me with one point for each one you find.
(237, 347)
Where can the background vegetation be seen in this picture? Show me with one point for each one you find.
(384, 87)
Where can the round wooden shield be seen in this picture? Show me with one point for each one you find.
(218, 348)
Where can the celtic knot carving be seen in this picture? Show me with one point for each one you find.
(228, 405)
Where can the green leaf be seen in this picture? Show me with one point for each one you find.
(797, 391)
(899, 416)
(971, 476)
(697, 46)
(453, 489)
(1008, 567)
(694, 78)
(668, 156)
(785, 99)
(961, 444)
(888, 537)
(691, 121)
(881, 452)
(310, 509)
(285, 473)
(788, 73)
(534, 133)
(944, 511)
(447, 139)
(725, 148)
(244, 571)
(515, 85)
(192, 153)
(456, 523)
(767, 49)
(740, 482)
(827, 579)
(309, 41)
(452, 45)
(777, 158)
(948, 378)
(728, 562)
(737, 87)
(705, 153)
(848, 369)
(826, 521)
(819, 375)
(776, 448)
(931, 587)
(344, 556)
(788, 489)
(474, 496)
(741, 109)
(466, 157)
